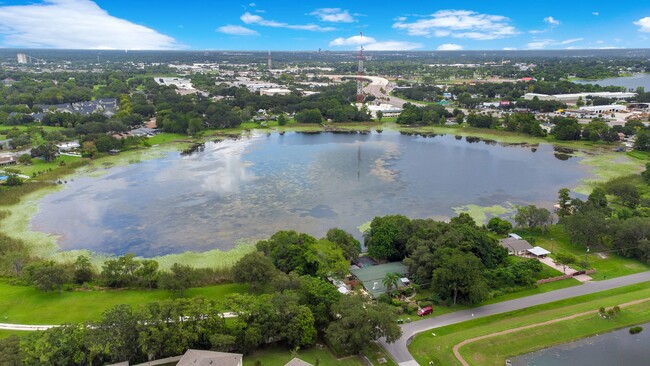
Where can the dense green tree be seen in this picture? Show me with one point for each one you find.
(309, 116)
(642, 141)
(47, 276)
(254, 268)
(388, 236)
(459, 277)
(46, 151)
(564, 201)
(499, 226)
(25, 159)
(358, 324)
(10, 351)
(350, 246)
(533, 217)
(58, 346)
(178, 279)
(627, 192)
(587, 227)
(13, 181)
(147, 273)
(83, 270)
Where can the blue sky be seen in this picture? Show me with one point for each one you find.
(328, 25)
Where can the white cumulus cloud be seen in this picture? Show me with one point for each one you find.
(333, 15)
(237, 30)
(459, 24)
(551, 21)
(249, 18)
(644, 24)
(371, 44)
(539, 44)
(595, 13)
(75, 24)
(449, 47)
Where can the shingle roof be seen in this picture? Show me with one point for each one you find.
(297, 362)
(516, 245)
(195, 357)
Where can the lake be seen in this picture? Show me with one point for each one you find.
(248, 189)
(630, 82)
(615, 348)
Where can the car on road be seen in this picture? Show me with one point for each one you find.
(425, 311)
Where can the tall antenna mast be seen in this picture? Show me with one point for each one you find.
(270, 61)
(361, 73)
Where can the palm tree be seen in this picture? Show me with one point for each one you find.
(390, 281)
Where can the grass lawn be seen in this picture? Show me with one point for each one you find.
(427, 347)
(7, 333)
(494, 350)
(39, 165)
(165, 137)
(27, 305)
(556, 239)
(279, 356)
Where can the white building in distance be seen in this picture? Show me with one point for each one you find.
(572, 98)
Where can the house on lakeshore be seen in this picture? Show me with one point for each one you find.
(372, 277)
(7, 160)
(516, 246)
(195, 357)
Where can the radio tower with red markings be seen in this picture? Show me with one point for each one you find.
(361, 73)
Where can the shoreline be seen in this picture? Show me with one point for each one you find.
(18, 223)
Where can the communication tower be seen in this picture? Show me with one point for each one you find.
(361, 73)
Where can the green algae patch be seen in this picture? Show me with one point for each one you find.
(605, 166)
(481, 214)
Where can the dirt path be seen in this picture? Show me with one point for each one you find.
(472, 340)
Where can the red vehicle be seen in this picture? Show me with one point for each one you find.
(425, 311)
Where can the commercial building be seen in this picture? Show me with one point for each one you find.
(574, 97)
(603, 109)
(275, 91)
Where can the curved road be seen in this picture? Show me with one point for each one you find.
(399, 350)
(376, 86)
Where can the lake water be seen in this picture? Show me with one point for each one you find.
(630, 82)
(251, 188)
(615, 348)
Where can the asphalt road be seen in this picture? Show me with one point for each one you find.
(399, 350)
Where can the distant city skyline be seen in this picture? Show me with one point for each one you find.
(326, 25)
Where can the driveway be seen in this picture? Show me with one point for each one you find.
(549, 262)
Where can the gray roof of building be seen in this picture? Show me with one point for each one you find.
(297, 362)
(517, 245)
(195, 357)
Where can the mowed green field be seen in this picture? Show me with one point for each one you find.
(27, 305)
(439, 347)
(494, 350)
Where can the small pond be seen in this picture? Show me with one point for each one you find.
(615, 348)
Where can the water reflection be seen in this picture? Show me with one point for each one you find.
(250, 188)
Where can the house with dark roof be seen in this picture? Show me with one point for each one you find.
(516, 246)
